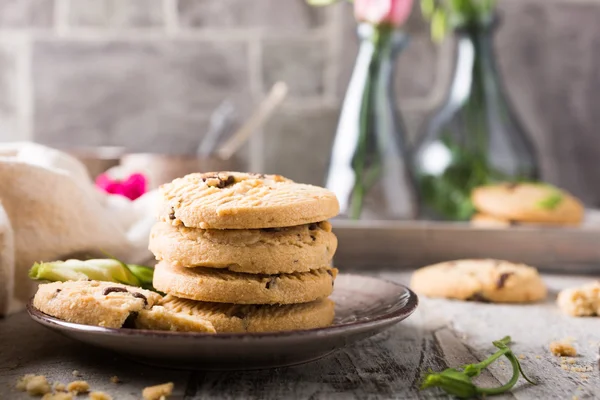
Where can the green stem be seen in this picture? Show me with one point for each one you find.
(358, 195)
(493, 357)
(508, 385)
(360, 184)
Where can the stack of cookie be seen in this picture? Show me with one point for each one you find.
(244, 253)
(509, 204)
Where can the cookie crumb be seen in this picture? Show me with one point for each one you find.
(158, 392)
(100, 396)
(22, 382)
(522, 356)
(538, 357)
(58, 396)
(78, 387)
(563, 348)
(115, 379)
(34, 385)
(60, 387)
(76, 373)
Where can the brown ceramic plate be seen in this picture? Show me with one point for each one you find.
(365, 306)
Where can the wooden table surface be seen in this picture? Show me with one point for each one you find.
(441, 333)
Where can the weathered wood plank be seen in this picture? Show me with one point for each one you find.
(532, 327)
(389, 366)
(28, 348)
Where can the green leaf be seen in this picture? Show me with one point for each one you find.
(107, 270)
(75, 270)
(458, 381)
(143, 273)
(455, 13)
(551, 202)
(451, 381)
(428, 8)
(439, 25)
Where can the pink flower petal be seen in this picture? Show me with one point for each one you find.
(132, 187)
(393, 12)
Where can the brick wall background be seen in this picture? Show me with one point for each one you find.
(146, 74)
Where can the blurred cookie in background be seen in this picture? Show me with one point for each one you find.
(507, 204)
(482, 280)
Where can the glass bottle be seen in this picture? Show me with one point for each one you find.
(475, 138)
(369, 170)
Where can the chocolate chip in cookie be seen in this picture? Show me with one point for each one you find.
(113, 289)
(219, 182)
(502, 279)
(140, 296)
(478, 297)
(271, 283)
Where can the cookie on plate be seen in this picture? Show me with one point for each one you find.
(235, 200)
(161, 319)
(581, 301)
(255, 251)
(236, 318)
(480, 280)
(97, 303)
(222, 286)
(529, 203)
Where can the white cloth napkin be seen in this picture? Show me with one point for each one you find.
(51, 210)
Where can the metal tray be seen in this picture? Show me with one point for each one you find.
(412, 244)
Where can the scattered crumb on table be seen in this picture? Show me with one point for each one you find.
(58, 396)
(563, 348)
(78, 387)
(35, 385)
(60, 387)
(76, 373)
(157, 392)
(115, 379)
(100, 396)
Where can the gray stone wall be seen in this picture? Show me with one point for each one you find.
(146, 74)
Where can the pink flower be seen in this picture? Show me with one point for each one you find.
(378, 12)
(133, 187)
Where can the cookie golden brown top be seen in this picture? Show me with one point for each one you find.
(528, 202)
(235, 200)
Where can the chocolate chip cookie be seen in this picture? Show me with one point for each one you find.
(97, 303)
(485, 280)
(235, 200)
(235, 318)
(528, 203)
(222, 286)
(256, 251)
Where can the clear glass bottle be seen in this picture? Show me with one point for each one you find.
(475, 138)
(369, 169)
